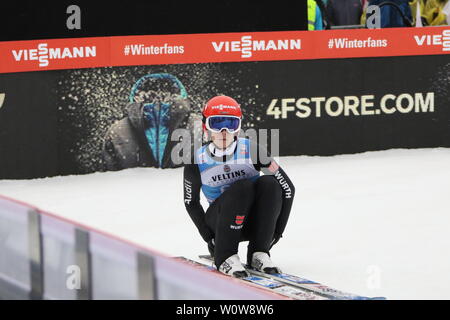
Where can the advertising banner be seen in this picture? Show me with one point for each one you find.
(95, 116)
(39, 55)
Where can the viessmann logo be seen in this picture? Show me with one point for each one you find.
(435, 40)
(221, 107)
(43, 53)
(247, 45)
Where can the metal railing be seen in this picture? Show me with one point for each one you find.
(43, 256)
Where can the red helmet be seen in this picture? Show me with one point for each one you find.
(219, 112)
(222, 105)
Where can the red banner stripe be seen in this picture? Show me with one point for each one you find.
(39, 55)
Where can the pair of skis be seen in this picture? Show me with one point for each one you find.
(287, 285)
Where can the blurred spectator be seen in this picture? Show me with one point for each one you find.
(344, 12)
(314, 16)
(323, 9)
(447, 12)
(431, 11)
(394, 13)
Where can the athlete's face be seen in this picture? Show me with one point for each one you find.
(223, 139)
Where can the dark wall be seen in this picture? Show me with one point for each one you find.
(27, 19)
(28, 126)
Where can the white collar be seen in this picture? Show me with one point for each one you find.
(220, 153)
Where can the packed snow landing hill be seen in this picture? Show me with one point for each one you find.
(374, 224)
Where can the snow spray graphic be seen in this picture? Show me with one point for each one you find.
(157, 104)
(90, 101)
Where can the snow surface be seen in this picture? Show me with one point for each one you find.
(375, 224)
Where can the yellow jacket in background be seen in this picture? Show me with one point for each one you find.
(431, 10)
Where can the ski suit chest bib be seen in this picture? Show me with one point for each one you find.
(217, 176)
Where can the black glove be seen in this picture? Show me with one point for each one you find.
(276, 238)
(211, 246)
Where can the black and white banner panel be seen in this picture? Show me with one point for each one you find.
(76, 121)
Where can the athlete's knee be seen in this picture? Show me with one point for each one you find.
(243, 190)
(269, 184)
(245, 185)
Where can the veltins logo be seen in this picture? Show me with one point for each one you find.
(2, 99)
(43, 54)
(435, 40)
(246, 45)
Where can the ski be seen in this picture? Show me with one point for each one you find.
(263, 282)
(305, 284)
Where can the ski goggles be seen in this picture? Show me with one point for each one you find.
(217, 123)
